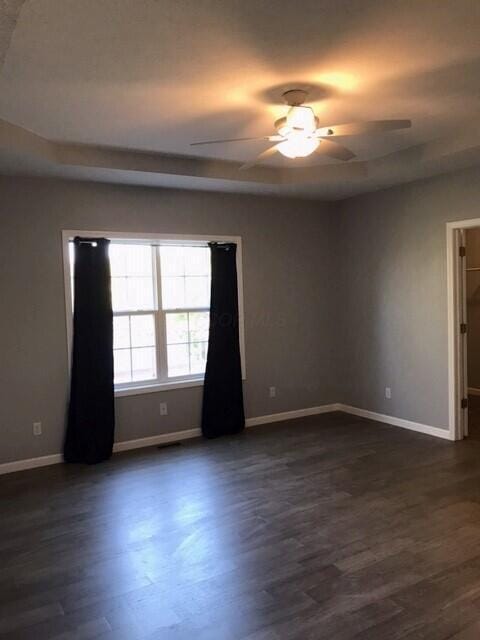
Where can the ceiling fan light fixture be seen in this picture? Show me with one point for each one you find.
(302, 119)
(298, 146)
(299, 135)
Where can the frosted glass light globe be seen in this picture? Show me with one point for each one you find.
(298, 146)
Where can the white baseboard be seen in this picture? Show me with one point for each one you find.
(175, 436)
(164, 438)
(151, 441)
(473, 391)
(397, 422)
(30, 463)
(291, 415)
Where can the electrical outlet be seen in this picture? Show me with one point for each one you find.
(163, 409)
(37, 428)
(272, 392)
(388, 393)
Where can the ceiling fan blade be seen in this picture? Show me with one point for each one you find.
(359, 128)
(261, 156)
(334, 150)
(195, 144)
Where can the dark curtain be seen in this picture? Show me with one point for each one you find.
(91, 416)
(222, 411)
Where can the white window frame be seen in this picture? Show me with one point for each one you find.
(141, 387)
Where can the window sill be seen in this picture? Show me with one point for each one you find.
(158, 387)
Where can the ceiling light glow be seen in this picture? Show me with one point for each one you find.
(339, 80)
(298, 146)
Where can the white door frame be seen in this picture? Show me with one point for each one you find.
(457, 380)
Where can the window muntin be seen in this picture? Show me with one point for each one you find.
(160, 301)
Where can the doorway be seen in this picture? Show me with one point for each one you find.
(472, 302)
(463, 261)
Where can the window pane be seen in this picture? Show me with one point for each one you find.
(177, 328)
(144, 364)
(118, 260)
(185, 277)
(132, 277)
(119, 294)
(178, 360)
(139, 260)
(198, 357)
(199, 322)
(197, 292)
(139, 293)
(130, 260)
(142, 331)
(132, 294)
(121, 364)
(173, 292)
(121, 332)
(172, 261)
(137, 363)
(190, 328)
(197, 261)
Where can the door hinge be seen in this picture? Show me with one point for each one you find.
(464, 403)
(461, 252)
(463, 328)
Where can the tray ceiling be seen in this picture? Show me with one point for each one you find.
(121, 87)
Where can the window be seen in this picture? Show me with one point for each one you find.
(161, 303)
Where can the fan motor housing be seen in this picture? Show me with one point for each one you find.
(294, 97)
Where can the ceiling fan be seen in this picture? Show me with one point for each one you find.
(299, 134)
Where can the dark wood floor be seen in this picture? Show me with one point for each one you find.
(327, 527)
(474, 417)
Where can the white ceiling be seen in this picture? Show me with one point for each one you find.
(155, 75)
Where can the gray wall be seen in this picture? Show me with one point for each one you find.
(289, 319)
(472, 244)
(393, 295)
(341, 300)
